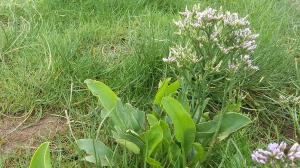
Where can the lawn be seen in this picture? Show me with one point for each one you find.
(48, 48)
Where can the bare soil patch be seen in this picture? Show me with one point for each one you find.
(15, 134)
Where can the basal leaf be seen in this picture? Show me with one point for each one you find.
(130, 140)
(184, 125)
(231, 123)
(152, 120)
(153, 137)
(166, 90)
(199, 153)
(172, 88)
(41, 157)
(127, 117)
(129, 145)
(161, 91)
(106, 96)
(154, 163)
(166, 131)
(209, 126)
(96, 149)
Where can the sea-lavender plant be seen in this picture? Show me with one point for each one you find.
(213, 56)
(275, 155)
(215, 34)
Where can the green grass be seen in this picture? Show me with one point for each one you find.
(47, 46)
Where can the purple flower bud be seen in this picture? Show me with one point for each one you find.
(260, 156)
(294, 152)
(277, 150)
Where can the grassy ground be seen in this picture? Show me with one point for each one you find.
(49, 47)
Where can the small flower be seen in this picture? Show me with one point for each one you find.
(277, 150)
(294, 152)
(260, 156)
(182, 56)
(225, 32)
(186, 13)
(233, 67)
(249, 63)
(169, 59)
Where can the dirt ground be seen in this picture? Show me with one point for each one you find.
(18, 133)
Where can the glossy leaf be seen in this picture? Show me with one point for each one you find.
(184, 125)
(104, 93)
(172, 88)
(166, 90)
(41, 157)
(153, 137)
(166, 131)
(152, 120)
(161, 91)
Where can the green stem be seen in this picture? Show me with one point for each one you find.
(221, 115)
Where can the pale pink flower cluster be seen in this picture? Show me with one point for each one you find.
(248, 62)
(224, 31)
(181, 55)
(276, 152)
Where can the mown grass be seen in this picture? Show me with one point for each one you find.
(49, 47)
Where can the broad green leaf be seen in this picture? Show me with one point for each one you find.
(129, 140)
(127, 117)
(209, 126)
(167, 131)
(153, 163)
(172, 88)
(231, 123)
(166, 90)
(153, 137)
(199, 153)
(106, 96)
(138, 117)
(184, 101)
(96, 149)
(129, 145)
(152, 120)
(41, 157)
(161, 91)
(90, 158)
(184, 125)
(205, 131)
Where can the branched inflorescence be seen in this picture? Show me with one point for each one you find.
(214, 33)
(275, 154)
